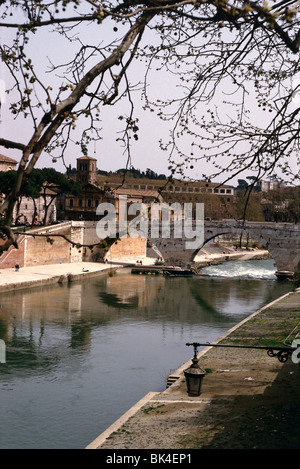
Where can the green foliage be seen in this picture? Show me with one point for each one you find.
(155, 409)
(38, 180)
(7, 179)
(137, 173)
(283, 205)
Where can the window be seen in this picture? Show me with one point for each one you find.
(89, 203)
(228, 191)
(96, 203)
(71, 203)
(80, 203)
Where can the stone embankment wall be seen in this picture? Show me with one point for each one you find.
(50, 245)
(42, 248)
(39, 251)
(128, 248)
(134, 248)
(13, 256)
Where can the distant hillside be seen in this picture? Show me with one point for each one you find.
(133, 172)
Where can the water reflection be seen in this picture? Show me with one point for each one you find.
(70, 346)
(38, 326)
(130, 292)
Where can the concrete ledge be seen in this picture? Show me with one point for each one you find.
(118, 423)
(30, 277)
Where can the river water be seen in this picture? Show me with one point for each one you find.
(80, 355)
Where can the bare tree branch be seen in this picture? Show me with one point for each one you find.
(225, 57)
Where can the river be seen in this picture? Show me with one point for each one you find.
(80, 355)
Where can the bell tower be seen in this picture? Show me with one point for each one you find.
(86, 170)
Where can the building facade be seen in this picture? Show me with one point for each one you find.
(86, 170)
(7, 164)
(84, 205)
(219, 200)
(41, 210)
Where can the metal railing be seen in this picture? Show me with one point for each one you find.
(282, 353)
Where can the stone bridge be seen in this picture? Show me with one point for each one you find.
(282, 240)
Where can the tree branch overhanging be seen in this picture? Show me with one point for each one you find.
(203, 43)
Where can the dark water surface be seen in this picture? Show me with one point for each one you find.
(78, 356)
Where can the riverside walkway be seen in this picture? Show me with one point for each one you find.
(11, 279)
(248, 400)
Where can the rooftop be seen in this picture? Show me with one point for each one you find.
(117, 178)
(7, 159)
(137, 192)
(86, 158)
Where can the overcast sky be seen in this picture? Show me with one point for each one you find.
(110, 155)
(145, 153)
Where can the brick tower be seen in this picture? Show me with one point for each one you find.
(86, 170)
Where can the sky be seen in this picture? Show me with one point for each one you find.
(145, 153)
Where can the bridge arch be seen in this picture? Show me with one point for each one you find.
(282, 240)
(235, 246)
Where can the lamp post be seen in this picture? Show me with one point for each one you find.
(194, 374)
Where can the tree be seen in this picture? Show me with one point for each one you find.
(54, 184)
(249, 49)
(252, 210)
(242, 184)
(282, 205)
(38, 184)
(32, 188)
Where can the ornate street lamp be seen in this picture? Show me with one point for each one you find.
(194, 374)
